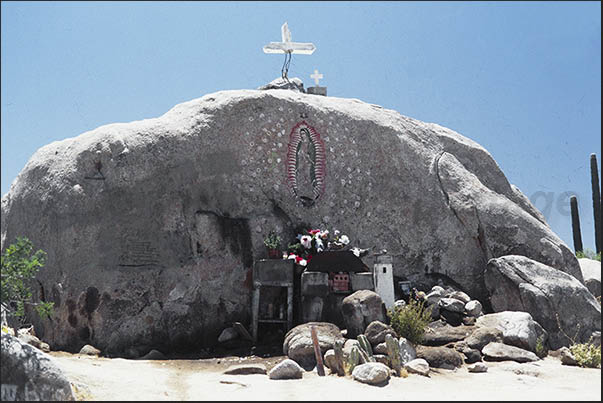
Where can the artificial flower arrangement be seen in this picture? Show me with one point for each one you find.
(315, 241)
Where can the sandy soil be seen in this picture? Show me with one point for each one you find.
(121, 379)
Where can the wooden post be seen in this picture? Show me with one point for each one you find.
(319, 366)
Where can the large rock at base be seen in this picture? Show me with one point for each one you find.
(439, 333)
(373, 373)
(417, 366)
(440, 357)
(298, 342)
(501, 352)
(518, 329)
(30, 374)
(517, 283)
(484, 335)
(286, 369)
(591, 271)
(152, 227)
(360, 309)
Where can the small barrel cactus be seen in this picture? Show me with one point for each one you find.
(393, 351)
(365, 346)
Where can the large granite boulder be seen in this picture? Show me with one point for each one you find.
(591, 271)
(360, 309)
(516, 329)
(152, 227)
(30, 374)
(553, 298)
(298, 342)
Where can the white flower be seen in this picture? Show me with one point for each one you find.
(344, 239)
(356, 251)
(303, 262)
(324, 234)
(291, 256)
(306, 240)
(336, 233)
(319, 245)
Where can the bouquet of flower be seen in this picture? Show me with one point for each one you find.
(315, 241)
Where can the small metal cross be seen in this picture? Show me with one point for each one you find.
(316, 76)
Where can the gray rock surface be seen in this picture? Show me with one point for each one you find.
(478, 367)
(89, 350)
(298, 342)
(440, 333)
(473, 308)
(286, 369)
(29, 374)
(373, 373)
(407, 350)
(517, 283)
(376, 331)
(153, 355)
(501, 352)
(417, 366)
(246, 369)
(518, 329)
(440, 357)
(483, 336)
(152, 227)
(228, 334)
(461, 296)
(566, 356)
(591, 271)
(361, 308)
(452, 305)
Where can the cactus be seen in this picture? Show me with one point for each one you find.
(393, 351)
(351, 360)
(339, 359)
(576, 224)
(366, 348)
(594, 176)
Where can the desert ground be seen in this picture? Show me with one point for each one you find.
(98, 378)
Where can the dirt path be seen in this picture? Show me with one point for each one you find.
(121, 379)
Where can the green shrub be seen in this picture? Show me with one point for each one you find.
(586, 355)
(411, 320)
(540, 349)
(588, 254)
(19, 267)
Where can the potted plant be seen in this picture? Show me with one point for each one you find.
(273, 244)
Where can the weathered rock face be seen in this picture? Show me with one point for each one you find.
(151, 227)
(30, 374)
(591, 271)
(553, 298)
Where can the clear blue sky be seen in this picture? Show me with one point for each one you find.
(523, 79)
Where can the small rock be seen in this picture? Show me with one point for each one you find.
(407, 351)
(440, 357)
(329, 359)
(230, 333)
(286, 369)
(90, 350)
(380, 348)
(452, 305)
(482, 336)
(400, 303)
(469, 321)
(461, 296)
(501, 352)
(437, 288)
(417, 366)
(478, 367)
(153, 355)
(452, 318)
(567, 358)
(44, 347)
(376, 331)
(473, 308)
(246, 369)
(372, 373)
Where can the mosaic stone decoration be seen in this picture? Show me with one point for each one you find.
(306, 152)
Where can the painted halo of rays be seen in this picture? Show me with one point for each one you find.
(317, 157)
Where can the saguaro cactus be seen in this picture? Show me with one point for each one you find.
(594, 177)
(351, 360)
(339, 358)
(576, 224)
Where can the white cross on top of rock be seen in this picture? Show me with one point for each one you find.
(316, 76)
